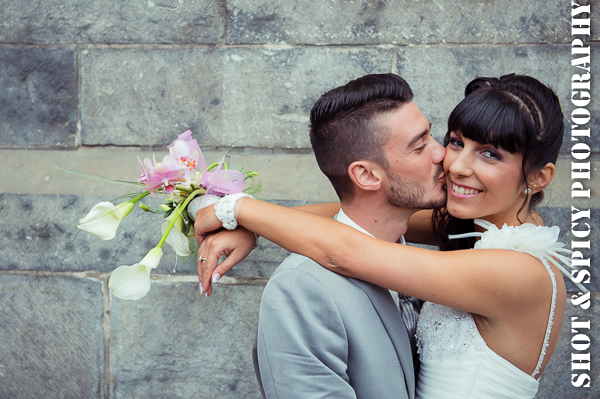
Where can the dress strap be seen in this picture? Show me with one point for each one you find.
(550, 319)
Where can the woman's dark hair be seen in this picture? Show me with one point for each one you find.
(516, 113)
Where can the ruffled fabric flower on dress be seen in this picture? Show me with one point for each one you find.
(539, 241)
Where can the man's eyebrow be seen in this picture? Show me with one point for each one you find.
(419, 136)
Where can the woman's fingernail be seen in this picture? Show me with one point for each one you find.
(200, 286)
(216, 277)
(206, 295)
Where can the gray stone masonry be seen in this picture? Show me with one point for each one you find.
(89, 85)
(52, 337)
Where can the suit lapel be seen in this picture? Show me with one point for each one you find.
(392, 320)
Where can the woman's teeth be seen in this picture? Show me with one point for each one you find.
(464, 191)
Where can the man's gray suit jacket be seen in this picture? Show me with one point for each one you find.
(321, 335)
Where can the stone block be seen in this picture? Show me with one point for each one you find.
(240, 96)
(282, 176)
(51, 337)
(269, 93)
(105, 21)
(558, 193)
(38, 101)
(36, 231)
(556, 379)
(50, 222)
(176, 343)
(147, 97)
(397, 21)
(439, 75)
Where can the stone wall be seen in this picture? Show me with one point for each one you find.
(91, 84)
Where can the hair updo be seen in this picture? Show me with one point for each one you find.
(516, 113)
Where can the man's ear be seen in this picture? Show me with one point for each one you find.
(542, 178)
(366, 175)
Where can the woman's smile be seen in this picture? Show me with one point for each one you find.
(461, 191)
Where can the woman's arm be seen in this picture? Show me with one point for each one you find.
(327, 209)
(487, 282)
(237, 244)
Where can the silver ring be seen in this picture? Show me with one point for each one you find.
(200, 258)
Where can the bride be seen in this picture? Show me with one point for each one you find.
(493, 314)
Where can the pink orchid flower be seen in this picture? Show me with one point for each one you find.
(160, 175)
(182, 156)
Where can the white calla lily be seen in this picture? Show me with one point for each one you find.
(133, 282)
(176, 239)
(104, 219)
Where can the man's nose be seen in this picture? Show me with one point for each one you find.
(439, 154)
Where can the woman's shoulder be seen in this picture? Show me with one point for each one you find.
(541, 242)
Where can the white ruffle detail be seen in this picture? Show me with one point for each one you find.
(539, 241)
(225, 209)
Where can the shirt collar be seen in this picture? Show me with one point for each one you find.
(343, 218)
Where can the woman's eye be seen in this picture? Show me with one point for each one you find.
(455, 142)
(491, 154)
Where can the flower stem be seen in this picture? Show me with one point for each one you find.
(177, 213)
(216, 164)
(139, 197)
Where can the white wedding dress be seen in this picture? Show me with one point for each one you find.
(456, 363)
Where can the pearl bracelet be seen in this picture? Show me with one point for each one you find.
(225, 209)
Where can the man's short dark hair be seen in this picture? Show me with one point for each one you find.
(346, 126)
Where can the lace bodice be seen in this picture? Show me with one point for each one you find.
(456, 362)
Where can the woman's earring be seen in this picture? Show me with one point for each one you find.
(527, 191)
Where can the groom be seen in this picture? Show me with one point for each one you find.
(321, 334)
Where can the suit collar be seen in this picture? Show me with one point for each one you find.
(389, 314)
(394, 325)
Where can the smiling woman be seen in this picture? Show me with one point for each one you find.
(502, 144)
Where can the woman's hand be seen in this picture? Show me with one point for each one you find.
(235, 244)
(205, 222)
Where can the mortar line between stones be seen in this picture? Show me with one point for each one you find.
(78, 66)
(232, 150)
(224, 36)
(106, 328)
(271, 46)
(595, 155)
(395, 56)
(103, 276)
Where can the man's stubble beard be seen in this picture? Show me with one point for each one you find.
(409, 194)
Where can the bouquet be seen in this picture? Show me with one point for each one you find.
(189, 185)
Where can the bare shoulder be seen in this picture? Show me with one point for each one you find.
(529, 283)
